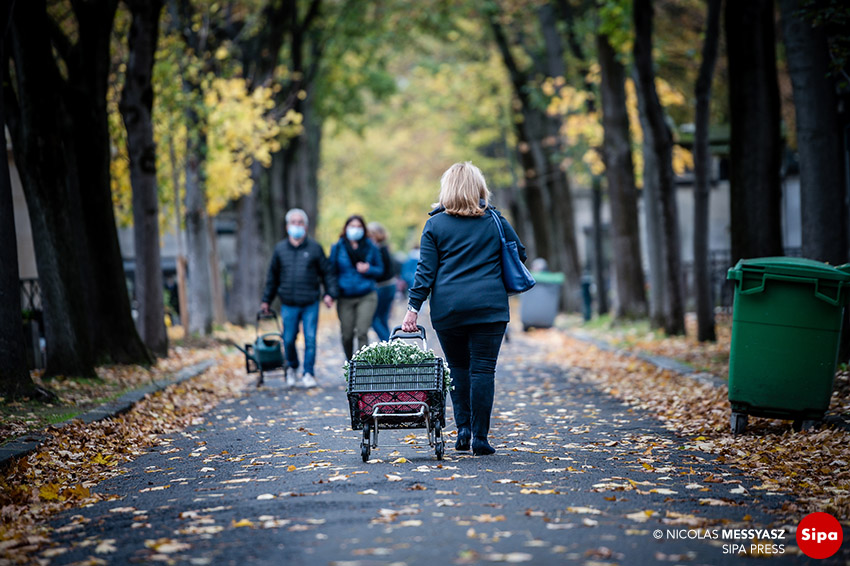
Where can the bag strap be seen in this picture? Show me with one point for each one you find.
(498, 225)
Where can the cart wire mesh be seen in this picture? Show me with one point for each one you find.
(369, 384)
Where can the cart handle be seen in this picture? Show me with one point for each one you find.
(397, 333)
(266, 314)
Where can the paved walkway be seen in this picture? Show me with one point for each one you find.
(276, 477)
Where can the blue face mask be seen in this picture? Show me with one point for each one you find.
(296, 232)
(354, 233)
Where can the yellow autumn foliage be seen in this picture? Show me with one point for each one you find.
(583, 131)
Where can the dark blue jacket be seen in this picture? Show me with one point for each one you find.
(352, 283)
(460, 267)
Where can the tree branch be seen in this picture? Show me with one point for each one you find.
(518, 77)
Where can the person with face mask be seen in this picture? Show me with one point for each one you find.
(357, 264)
(299, 274)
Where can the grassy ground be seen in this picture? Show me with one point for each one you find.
(710, 357)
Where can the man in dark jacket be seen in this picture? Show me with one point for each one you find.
(298, 271)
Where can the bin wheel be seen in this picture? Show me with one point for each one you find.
(739, 422)
(804, 424)
(260, 379)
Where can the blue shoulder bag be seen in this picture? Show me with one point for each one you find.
(515, 275)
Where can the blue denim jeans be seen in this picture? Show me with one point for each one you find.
(471, 352)
(381, 321)
(308, 317)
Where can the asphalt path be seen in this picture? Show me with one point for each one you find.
(276, 477)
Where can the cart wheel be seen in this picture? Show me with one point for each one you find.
(804, 424)
(260, 379)
(365, 448)
(739, 422)
(439, 445)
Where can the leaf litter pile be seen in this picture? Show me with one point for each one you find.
(812, 465)
(77, 456)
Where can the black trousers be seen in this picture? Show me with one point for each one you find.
(471, 352)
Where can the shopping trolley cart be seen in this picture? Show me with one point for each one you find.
(398, 396)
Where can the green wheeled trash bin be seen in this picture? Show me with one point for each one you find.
(786, 329)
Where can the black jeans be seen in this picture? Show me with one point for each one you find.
(471, 352)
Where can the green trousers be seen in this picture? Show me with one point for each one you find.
(355, 319)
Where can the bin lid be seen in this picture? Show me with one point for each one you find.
(795, 267)
(552, 278)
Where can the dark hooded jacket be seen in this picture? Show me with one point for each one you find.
(460, 268)
(297, 274)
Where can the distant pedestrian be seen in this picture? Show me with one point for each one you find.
(299, 273)
(408, 268)
(460, 268)
(385, 283)
(356, 261)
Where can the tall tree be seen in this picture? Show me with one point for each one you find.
(653, 218)
(38, 124)
(755, 149)
(546, 185)
(662, 145)
(136, 107)
(619, 171)
(261, 56)
(15, 380)
(197, 33)
(822, 190)
(114, 335)
(702, 173)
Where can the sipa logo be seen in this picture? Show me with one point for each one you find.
(819, 535)
(813, 534)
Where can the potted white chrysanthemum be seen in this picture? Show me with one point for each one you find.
(395, 352)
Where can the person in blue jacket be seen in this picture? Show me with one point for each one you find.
(460, 268)
(357, 264)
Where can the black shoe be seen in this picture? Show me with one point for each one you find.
(481, 448)
(463, 435)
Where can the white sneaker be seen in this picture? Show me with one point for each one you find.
(290, 377)
(308, 380)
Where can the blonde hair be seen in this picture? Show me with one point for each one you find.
(377, 231)
(462, 187)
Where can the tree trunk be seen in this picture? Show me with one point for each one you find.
(197, 235)
(530, 158)
(755, 152)
(136, 106)
(301, 164)
(273, 207)
(702, 163)
(37, 120)
(249, 276)
(824, 221)
(653, 222)
(517, 202)
(600, 278)
(15, 380)
(619, 171)
(562, 215)
(115, 338)
(662, 141)
(546, 185)
(216, 283)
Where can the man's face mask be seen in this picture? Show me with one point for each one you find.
(295, 232)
